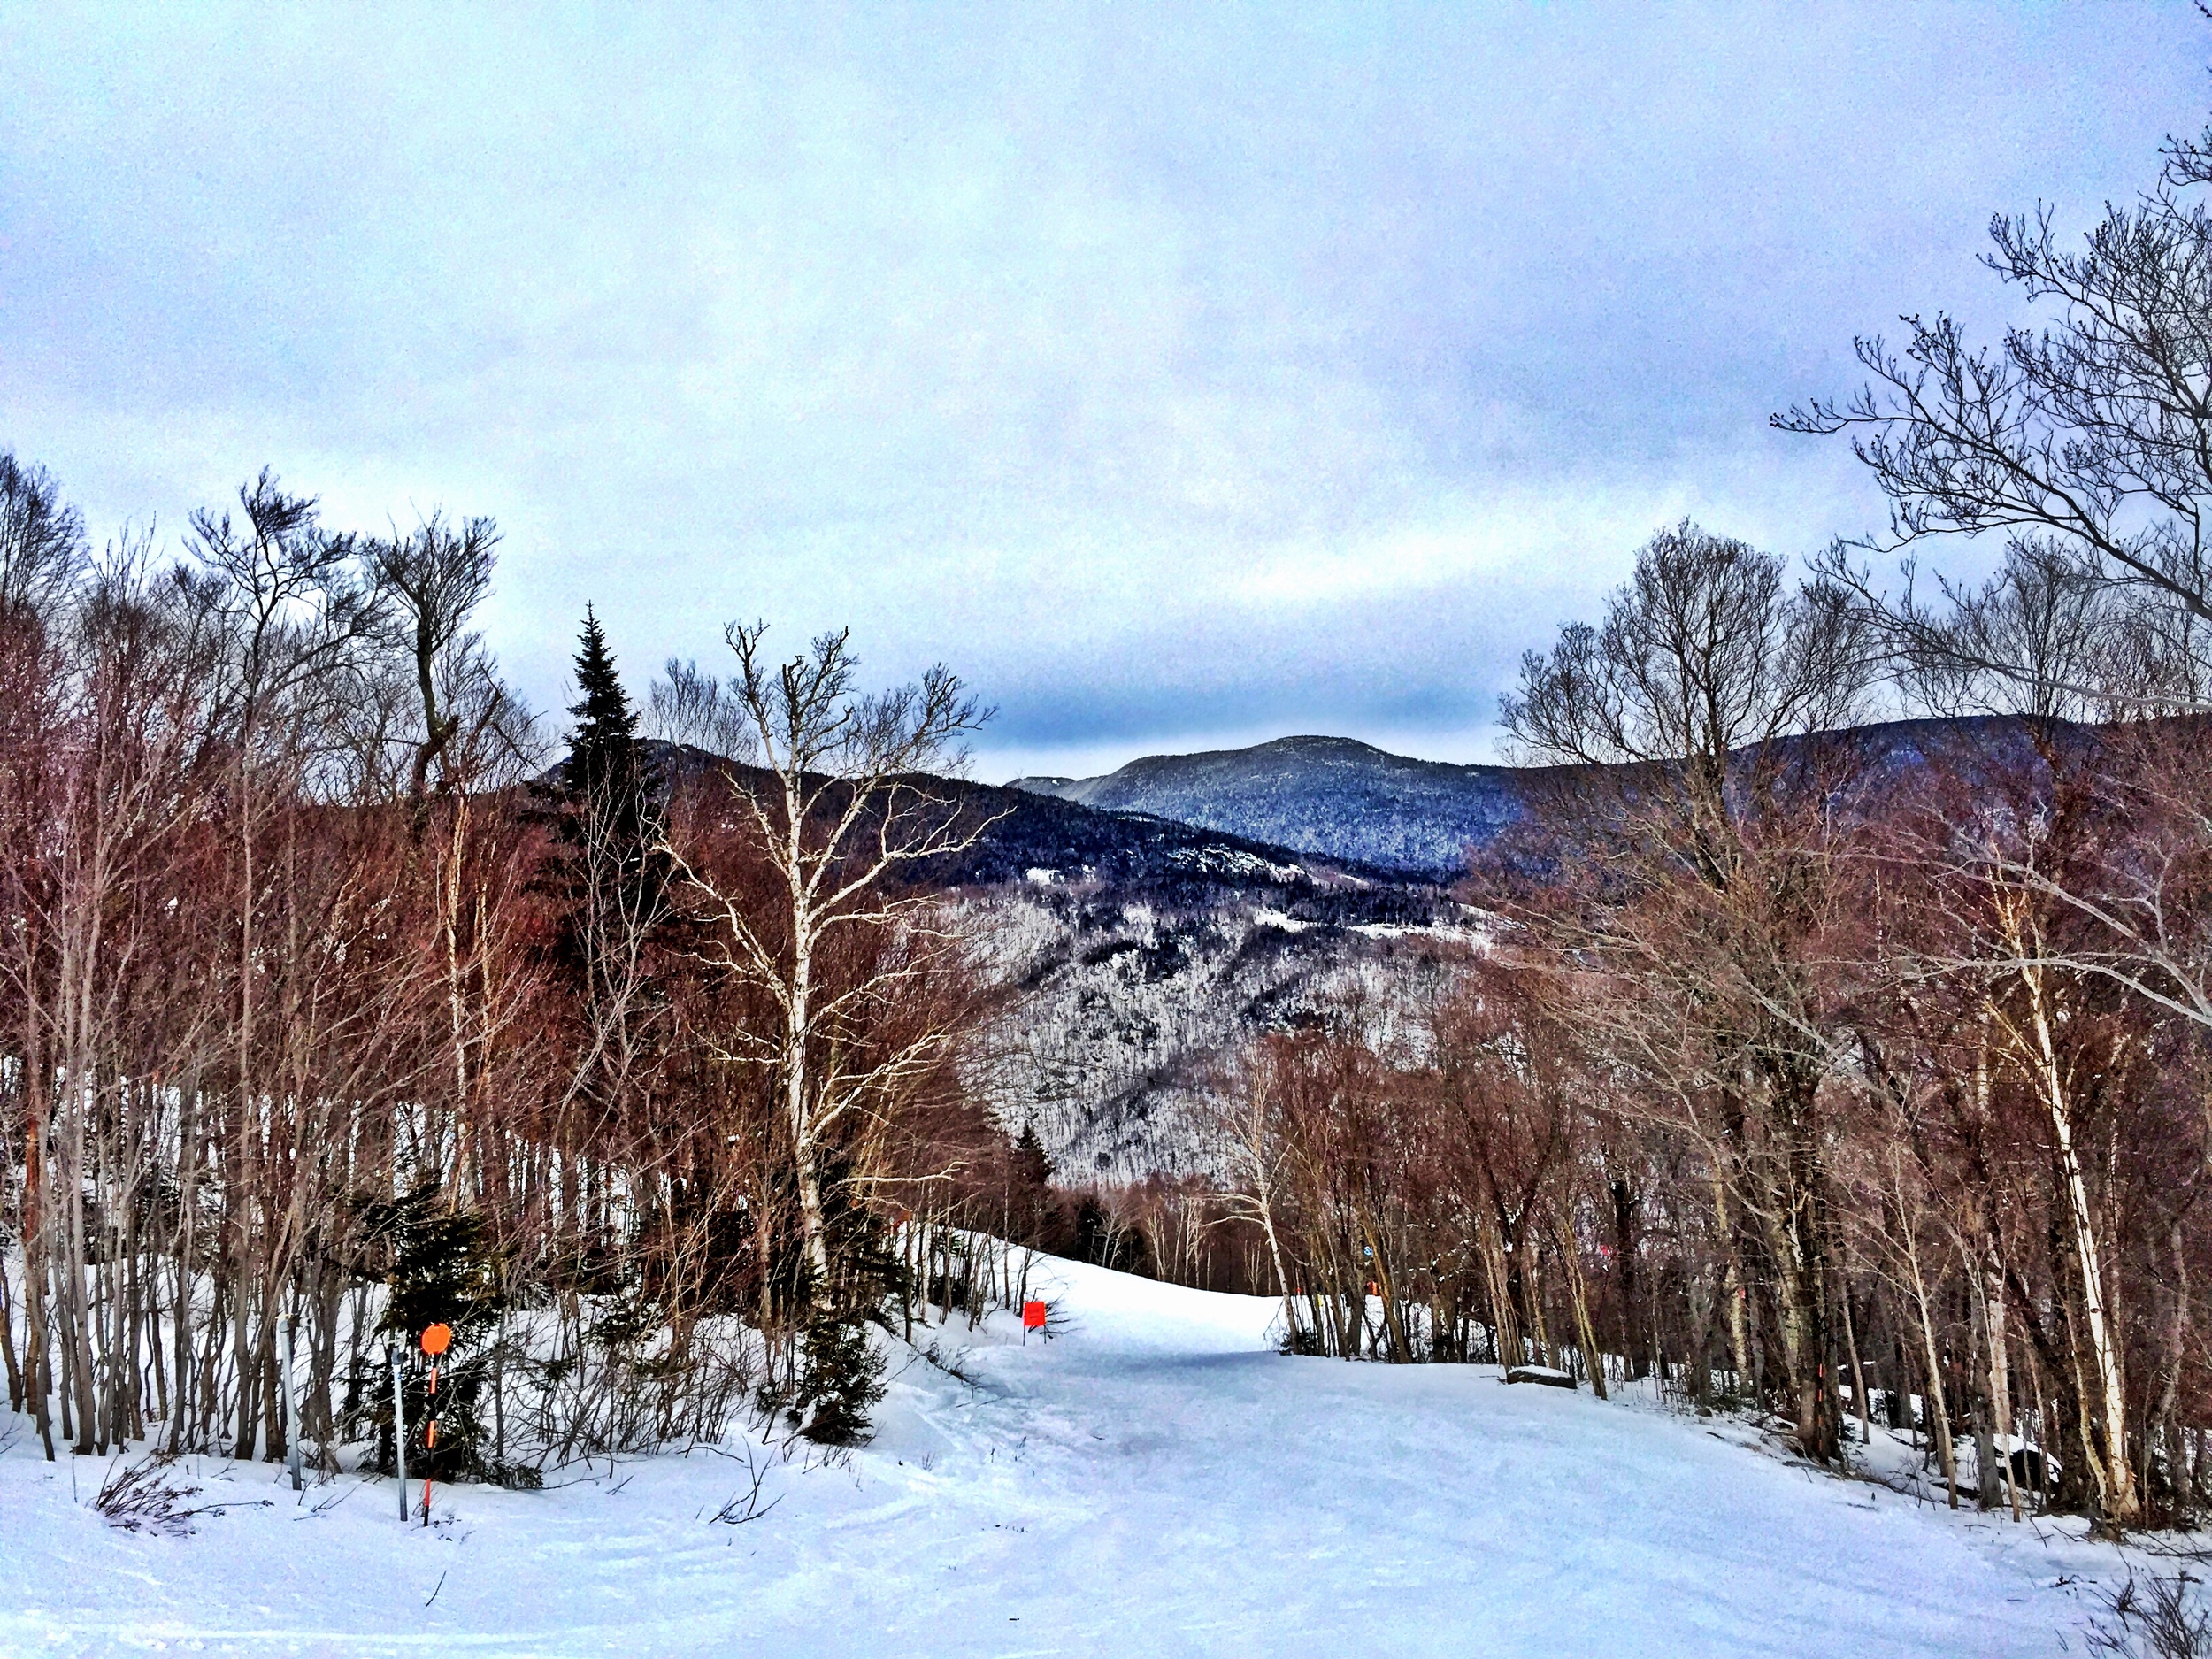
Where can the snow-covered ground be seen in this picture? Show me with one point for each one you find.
(1157, 1481)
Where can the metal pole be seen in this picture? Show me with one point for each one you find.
(287, 1336)
(399, 1424)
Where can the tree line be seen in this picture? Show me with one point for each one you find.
(335, 1000)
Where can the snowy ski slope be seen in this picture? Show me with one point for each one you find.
(1155, 1482)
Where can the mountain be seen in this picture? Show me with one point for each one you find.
(1336, 798)
(1328, 797)
(1136, 957)
(1033, 835)
(1141, 928)
(1133, 958)
(1123, 1004)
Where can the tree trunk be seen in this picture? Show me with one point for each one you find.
(1591, 1359)
(1939, 1410)
(1999, 1366)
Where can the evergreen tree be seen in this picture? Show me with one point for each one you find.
(842, 1377)
(608, 777)
(1032, 1170)
(1033, 1212)
(611, 885)
(440, 1266)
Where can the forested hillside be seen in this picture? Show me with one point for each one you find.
(1331, 797)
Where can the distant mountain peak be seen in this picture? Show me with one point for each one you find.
(1339, 798)
(1316, 794)
(1320, 742)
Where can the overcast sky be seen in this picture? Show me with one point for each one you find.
(1182, 375)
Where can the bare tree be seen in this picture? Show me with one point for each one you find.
(42, 538)
(2087, 441)
(1250, 1123)
(690, 707)
(434, 577)
(262, 1036)
(842, 808)
(1704, 691)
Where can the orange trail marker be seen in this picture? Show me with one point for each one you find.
(435, 1339)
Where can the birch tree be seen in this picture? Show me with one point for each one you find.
(841, 811)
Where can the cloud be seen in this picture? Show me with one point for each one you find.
(1168, 371)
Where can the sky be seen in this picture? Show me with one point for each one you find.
(1182, 377)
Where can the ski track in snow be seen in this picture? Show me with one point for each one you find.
(1155, 1482)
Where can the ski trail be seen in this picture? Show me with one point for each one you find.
(1156, 1482)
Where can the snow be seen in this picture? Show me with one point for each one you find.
(1155, 1481)
(1902, 1463)
(1228, 862)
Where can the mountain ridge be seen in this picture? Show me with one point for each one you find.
(1341, 799)
(1314, 792)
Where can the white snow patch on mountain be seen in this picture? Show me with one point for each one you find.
(1229, 863)
(1121, 1016)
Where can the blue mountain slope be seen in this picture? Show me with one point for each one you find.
(1325, 796)
(1334, 797)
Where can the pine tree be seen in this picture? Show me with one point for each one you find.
(1032, 1214)
(611, 882)
(842, 1377)
(608, 774)
(440, 1266)
(1032, 1170)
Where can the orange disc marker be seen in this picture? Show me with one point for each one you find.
(436, 1340)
